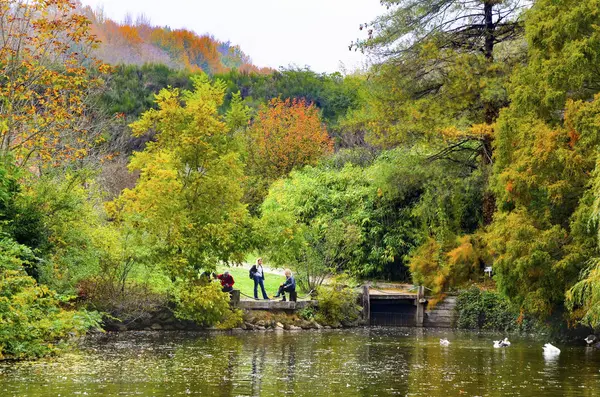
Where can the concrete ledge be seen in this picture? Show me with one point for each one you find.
(392, 296)
(274, 305)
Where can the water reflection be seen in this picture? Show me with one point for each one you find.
(258, 367)
(362, 362)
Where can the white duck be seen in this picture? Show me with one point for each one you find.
(551, 350)
(444, 342)
(501, 343)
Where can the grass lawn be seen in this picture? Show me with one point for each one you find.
(246, 285)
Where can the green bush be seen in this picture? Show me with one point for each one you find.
(336, 305)
(308, 313)
(32, 323)
(206, 305)
(489, 310)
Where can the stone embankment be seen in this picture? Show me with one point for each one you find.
(262, 325)
(165, 320)
(441, 315)
(159, 320)
(282, 319)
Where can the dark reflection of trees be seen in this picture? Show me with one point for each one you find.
(291, 363)
(383, 363)
(282, 377)
(258, 367)
(227, 380)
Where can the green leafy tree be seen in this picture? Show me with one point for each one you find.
(443, 76)
(367, 219)
(333, 94)
(583, 299)
(490, 310)
(307, 222)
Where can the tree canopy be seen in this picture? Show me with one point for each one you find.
(188, 195)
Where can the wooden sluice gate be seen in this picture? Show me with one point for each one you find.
(404, 306)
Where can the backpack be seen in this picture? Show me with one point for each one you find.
(252, 272)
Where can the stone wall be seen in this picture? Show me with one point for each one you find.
(441, 315)
(162, 319)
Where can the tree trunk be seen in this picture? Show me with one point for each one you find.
(490, 115)
(489, 31)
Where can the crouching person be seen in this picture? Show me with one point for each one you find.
(288, 286)
(226, 281)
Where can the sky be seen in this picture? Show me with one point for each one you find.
(273, 33)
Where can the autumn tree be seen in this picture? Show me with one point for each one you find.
(545, 167)
(44, 52)
(188, 198)
(286, 134)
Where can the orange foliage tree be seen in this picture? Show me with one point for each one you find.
(195, 52)
(44, 50)
(286, 134)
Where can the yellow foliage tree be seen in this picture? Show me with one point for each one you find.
(44, 81)
(188, 196)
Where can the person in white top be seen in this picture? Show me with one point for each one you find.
(258, 275)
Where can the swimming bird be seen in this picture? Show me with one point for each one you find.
(590, 339)
(551, 350)
(444, 342)
(505, 342)
(497, 344)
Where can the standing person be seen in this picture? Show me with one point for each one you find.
(258, 275)
(226, 281)
(288, 286)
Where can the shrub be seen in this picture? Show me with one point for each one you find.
(308, 313)
(337, 305)
(489, 310)
(124, 301)
(206, 305)
(32, 323)
(232, 318)
(444, 267)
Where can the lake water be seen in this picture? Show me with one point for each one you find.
(356, 362)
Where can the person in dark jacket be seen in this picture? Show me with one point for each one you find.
(258, 275)
(226, 281)
(288, 286)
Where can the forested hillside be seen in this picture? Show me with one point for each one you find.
(134, 159)
(137, 42)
